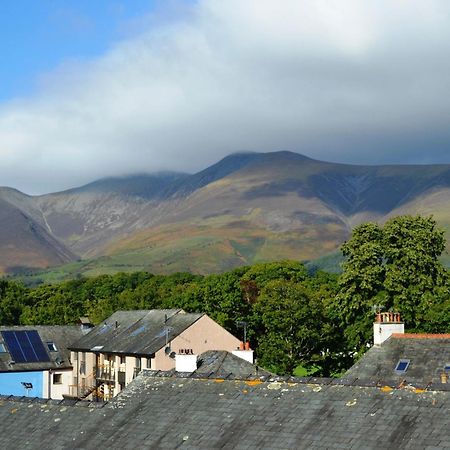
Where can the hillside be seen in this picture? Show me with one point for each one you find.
(246, 208)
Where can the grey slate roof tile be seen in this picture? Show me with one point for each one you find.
(138, 332)
(428, 357)
(171, 412)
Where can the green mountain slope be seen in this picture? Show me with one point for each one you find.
(246, 208)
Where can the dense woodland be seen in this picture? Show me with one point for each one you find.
(298, 322)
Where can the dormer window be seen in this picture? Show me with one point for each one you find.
(402, 366)
(51, 347)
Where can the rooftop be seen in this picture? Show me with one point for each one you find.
(141, 332)
(56, 357)
(427, 355)
(222, 364)
(165, 410)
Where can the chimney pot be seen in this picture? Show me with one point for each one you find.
(385, 325)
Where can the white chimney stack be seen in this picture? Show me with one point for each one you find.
(385, 325)
(186, 361)
(244, 352)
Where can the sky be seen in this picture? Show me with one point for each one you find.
(90, 89)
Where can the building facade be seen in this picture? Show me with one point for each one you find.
(111, 355)
(35, 361)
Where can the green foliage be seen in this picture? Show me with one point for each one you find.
(395, 267)
(294, 327)
(297, 322)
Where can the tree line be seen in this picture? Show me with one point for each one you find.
(298, 322)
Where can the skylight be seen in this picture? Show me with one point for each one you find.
(402, 366)
(52, 347)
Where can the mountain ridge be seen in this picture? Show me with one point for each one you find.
(245, 208)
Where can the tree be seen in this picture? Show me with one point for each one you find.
(294, 329)
(413, 272)
(392, 267)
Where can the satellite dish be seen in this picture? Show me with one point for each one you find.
(167, 350)
(172, 355)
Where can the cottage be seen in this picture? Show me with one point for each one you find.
(35, 361)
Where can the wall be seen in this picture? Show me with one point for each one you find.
(203, 335)
(57, 390)
(10, 383)
(382, 331)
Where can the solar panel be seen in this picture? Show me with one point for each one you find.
(25, 346)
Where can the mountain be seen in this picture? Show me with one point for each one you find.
(248, 207)
(25, 240)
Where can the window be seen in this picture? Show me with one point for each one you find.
(83, 363)
(402, 366)
(57, 378)
(138, 363)
(123, 359)
(149, 363)
(2, 348)
(52, 347)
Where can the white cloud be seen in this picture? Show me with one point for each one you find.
(352, 81)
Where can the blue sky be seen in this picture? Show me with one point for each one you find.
(37, 35)
(96, 88)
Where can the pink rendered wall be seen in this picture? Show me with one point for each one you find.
(203, 335)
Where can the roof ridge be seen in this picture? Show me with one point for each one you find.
(421, 335)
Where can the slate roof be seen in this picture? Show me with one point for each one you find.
(140, 332)
(62, 336)
(162, 410)
(221, 363)
(428, 355)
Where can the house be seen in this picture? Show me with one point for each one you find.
(35, 361)
(110, 355)
(398, 357)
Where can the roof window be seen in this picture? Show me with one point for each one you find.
(52, 347)
(2, 348)
(402, 366)
(447, 367)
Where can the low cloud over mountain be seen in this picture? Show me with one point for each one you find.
(360, 82)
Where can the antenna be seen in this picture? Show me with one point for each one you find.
(242, 324)
(376, 309)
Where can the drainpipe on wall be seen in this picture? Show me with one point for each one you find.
(49, 386)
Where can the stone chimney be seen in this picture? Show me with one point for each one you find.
(244, 352)
(186, 361)
(385, 325)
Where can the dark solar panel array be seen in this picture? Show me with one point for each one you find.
(25, 346)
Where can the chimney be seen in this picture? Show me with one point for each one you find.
(244, 352)
(85, 325)
(386, 324)
(186, 361)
